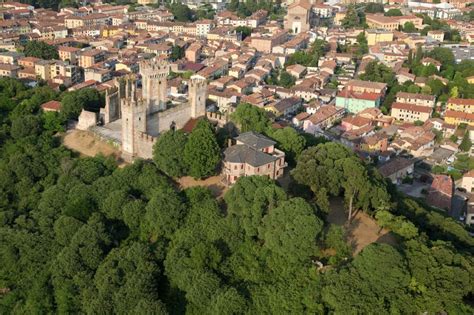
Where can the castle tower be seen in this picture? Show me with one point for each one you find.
(133, 118)
(154, 74)
(197, 95)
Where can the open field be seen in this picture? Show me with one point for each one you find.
(214, 183)
(363, 229)
(87, 144)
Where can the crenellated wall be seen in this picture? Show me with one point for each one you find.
(144, 144)
(111, 111)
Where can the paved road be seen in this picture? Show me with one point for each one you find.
(414, 190)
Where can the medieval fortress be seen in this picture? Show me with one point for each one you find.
(144, 113)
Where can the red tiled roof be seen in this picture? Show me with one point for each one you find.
(363, 96)
(412, 107)
(461, 115)
(51, 105)
(461, 101)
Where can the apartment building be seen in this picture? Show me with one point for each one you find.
(416, 99)
(94, 19)
(90, 57)
(461, 105)
(391, 23)
(67, 53)
(456, 118)
(375, 36)
(410, 112)
(265, 42)
(7, 70)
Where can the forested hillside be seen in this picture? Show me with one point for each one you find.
(79, 235)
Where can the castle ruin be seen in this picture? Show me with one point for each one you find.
(144, 114)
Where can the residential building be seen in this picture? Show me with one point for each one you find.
(94, 19)
(285, 106)
(67, 53)
(8, 70)
(253, 154)
(379, 21)
(456, 118)
(43, 69)
(410, 112)
(416, 99)
(375, 36)
(468, 181)
(397, 169)
(266, 41)
(90, 57)
(10, 57)
(355, 102)
(461, 105)
(441, 192)
(436, 35)
(193, 52)
(323, 118)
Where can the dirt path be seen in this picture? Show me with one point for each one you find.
(214, 183)
(363, 229)
(87, 144)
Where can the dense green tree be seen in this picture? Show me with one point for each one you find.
(168, 153)
(286, 80)
(290, 142)
(72, 103)
(351, 19)
(201, 152)
(177, 52)
(333, 167)
(250, 199)
(374, 8)
(366, 284)
(309, 57)
(466, 143)
(378, 72)
(335, 239)
(52, 122)
(244, 30)
(182, 12)
(297, 228)
(163, 214)
(250, 118)
(205, 12)
(79, 235)
(409, 27)
(40, 49)
(443, 55)
(393, 12)
(363, 47)
(28, 125)
(127, 277)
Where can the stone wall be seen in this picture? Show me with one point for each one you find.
(162, 121)
(87, 119)
(111, 111)
(220, 119)
(144, 145)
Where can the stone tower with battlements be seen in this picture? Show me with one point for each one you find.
(146, 116)
(134, 118)
(197, 95)
(154, 74)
